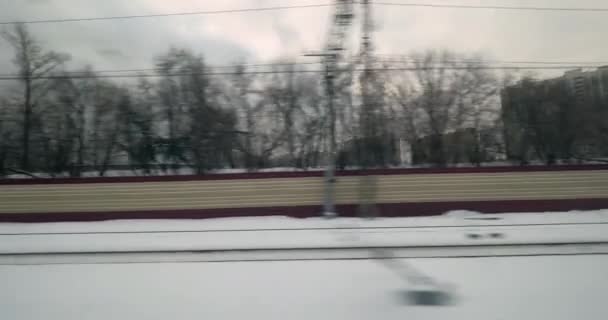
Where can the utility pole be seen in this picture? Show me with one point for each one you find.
(341, 22)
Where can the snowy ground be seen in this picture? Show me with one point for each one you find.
(525, 285)
(456, 228)
(538, 288)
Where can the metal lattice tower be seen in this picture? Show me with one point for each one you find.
(334, 49)
(367, 28)
(368, 104)
(368, 121)
(372, 117)
(342, 20)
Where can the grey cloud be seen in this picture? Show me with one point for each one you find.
(287, 34)
(38, 1)
(111, 53)
(116, 44)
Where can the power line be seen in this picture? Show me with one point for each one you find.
(156, 69)
(157, 15)
(462, 6)
(409, 58)
(398, 59)
(97, 258)
(178, 74)
(278, 8)
(483, 68)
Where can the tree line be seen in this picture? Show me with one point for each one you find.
(445, 110)
(553, 121)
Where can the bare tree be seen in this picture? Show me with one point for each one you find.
(270, 112)
(446, 106)
(245, 99)
(64, 114)
(198, 128)
(475, 114)
(7, 136)
(403, 101)
(284, 93)
(436, 99)
(310, 122)
(105, 125)
(173, 106)
(57, 120)
(138, 139)
(84, 90)
(375, 143)
(542, 121)
(33, 64)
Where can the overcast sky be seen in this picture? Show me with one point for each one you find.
(264, 36)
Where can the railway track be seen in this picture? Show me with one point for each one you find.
(308, 254)
(409, 240)
(338, 228)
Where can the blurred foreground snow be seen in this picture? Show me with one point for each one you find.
(534, 287)
(529, 288)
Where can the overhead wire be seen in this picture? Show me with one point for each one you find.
(400, 58)
(157, 69)
(157, 15)
(492, 7)
(337, 228)
(220, 73)
(403, 59)
(15, 259)
(320, 5)
(83, 74)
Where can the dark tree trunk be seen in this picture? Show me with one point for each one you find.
(27, 115)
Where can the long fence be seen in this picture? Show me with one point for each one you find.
(400, 192)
